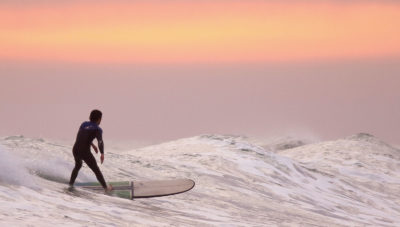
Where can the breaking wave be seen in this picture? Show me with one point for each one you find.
(240, 181)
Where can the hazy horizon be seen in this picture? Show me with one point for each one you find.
(330, 100)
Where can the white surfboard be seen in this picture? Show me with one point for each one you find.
(143, 189)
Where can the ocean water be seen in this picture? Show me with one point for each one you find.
(240, 181)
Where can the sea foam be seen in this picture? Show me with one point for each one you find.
(13, 170)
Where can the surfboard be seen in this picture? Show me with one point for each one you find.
(142, 189)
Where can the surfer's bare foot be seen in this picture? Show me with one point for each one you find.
(109, 189)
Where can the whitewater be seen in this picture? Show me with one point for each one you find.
(240, 181)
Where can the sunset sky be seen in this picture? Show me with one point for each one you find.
(169, 69)
(198, 31)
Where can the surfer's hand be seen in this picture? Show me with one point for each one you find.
(102, 158)
(95, 148)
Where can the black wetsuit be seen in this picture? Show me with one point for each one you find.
(81, 150)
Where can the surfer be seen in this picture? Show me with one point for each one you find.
(81, 150)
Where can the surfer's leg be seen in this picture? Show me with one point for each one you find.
(74, 174)
(91, 162)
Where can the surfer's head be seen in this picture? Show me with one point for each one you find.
(95, 116)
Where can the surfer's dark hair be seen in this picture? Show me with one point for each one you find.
(95, 115)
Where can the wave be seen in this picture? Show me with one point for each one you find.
(27, 158)
(13, 171)
(239, 181)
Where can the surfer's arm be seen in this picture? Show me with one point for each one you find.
(100, 142)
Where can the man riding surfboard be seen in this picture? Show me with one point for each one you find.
(81, 150)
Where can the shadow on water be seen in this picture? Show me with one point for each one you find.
(49, 177)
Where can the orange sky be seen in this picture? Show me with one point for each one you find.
(193, 32)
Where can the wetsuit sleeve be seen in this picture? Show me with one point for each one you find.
(99, 137)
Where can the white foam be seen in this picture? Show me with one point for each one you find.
(238, 182)
(12, 170)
